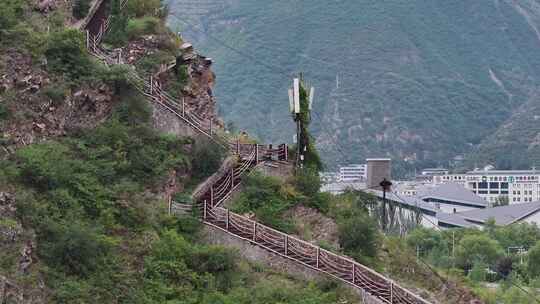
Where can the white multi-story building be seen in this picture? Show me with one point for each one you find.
(352, 173)
(435, 171)
(524, 191)
(517, 186)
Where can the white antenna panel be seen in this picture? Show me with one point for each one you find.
(311, 95)
(291, 101)
(296, 88)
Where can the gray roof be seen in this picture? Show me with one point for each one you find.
(409, 201)
(454, 193)
(504, 215)
(453, 219)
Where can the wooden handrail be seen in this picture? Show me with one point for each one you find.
(338, 266)
(341, 267)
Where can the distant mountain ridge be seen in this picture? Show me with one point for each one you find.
(419, 81)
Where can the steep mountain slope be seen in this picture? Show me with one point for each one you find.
(421, 81)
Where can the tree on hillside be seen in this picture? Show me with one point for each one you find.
(477, 248)
(534, 261)
(424, 239)
(358, 235)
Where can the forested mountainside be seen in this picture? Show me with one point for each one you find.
(420, 81)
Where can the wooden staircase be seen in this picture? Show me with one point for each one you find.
(250, 155)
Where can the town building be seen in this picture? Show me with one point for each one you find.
(378, 169)
(497, 186)
(352, 173)
(467, 213)
(435, 171)
(329, 177)
(452, 198)
(340, 188)
(503, 216)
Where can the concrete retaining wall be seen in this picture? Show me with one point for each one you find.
(254, 253)
(165, 121)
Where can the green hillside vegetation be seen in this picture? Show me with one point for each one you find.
(486, 256)
(418, 81)
(102, 236)
(90, 202)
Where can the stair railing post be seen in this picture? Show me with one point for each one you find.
(211, 126)
(232, 178)
(227, 221)
(151, 85)
(318, 254)
(212, 196)
(183, 107)
(254, 231)
(3, 288)
(87, 39)
(286, 152)
(256, 154)
(286, 244)
(170, 204)
(391, 292)
(204, 210)
(353, 273)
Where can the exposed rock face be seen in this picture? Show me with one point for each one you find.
(45, 6)
(315, 226)
(10, 230)
(43, 107)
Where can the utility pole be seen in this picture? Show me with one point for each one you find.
(453, 249)
(300, 105)
(385, 185)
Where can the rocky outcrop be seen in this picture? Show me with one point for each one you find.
(9, 292)
(42, 106)
(196, 72)
(45, 6)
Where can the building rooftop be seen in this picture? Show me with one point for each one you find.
(503, 172)
(342, 187)
(454, 193)
(409, 201)
(504, 215)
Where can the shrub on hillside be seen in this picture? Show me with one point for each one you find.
(73, 247)
(11, 12)
(4, 112)
(141, 8)
(358, 235)
(308, 181)
(117, 35)
(142, 26)
(207, 158)
(134, 110)
(183, 75)
(81, 8)
(66, 54)
(56, 94)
